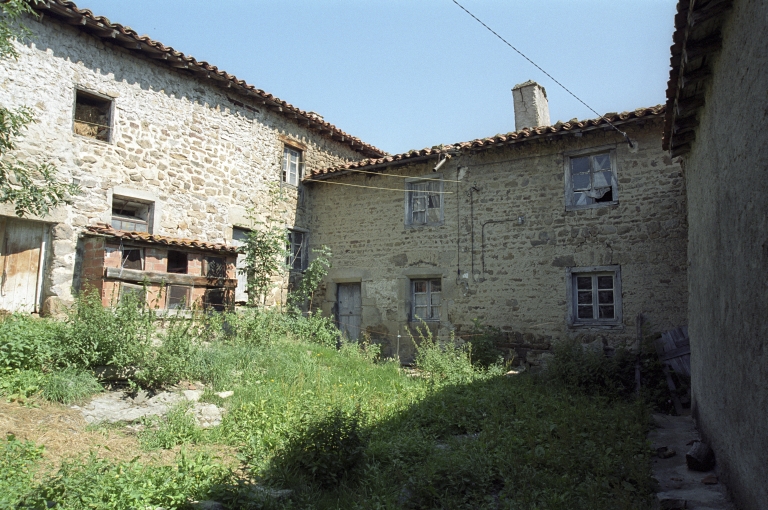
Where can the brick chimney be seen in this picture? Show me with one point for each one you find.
(531, 106)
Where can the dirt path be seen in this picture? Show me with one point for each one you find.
(65, 434)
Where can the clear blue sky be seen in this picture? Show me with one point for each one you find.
(408, 74)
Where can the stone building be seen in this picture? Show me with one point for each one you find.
(159, 143)
(716, 113)
(546, 233)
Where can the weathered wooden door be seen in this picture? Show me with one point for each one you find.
(21, 254)
(350, 307)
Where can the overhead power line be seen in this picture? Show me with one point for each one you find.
(537, 66)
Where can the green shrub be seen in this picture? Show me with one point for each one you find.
(443, 362)
(28, 343)
(18, 464)
(98, 335)
(173, 359)
(326, 451)
(484, 344)
(69, 385)
(314, 328)
(177, 427)
(21, 384)
(95, 483)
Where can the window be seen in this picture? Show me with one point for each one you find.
(215, 267)
(424, 201)
(590, 179)
(215, 300)
(130, 215)
(93, 116)
(177, 262)
(178, 297)
(293, 165)
(132, 258)
(130, 291)
(425, 299)
(296, 251)
(239, 238)
(594, 296)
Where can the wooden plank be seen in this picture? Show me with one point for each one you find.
(135, 275)
(675, 353)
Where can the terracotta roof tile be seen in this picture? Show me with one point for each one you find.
(524, 135)
(126, 37)
(102, 229)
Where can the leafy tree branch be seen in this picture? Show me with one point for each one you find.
(32, 189)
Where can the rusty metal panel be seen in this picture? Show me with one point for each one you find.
(20, 254)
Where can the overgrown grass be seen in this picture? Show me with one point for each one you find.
(342, 429)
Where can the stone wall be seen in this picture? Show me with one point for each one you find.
(728, 251)
(201, 154)
(506, 242)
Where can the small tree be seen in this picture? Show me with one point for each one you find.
(31, 189)
(310, 280)
(265, 250)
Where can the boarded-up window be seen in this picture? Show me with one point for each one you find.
(425, 299)
(177, 262)
(93, 116)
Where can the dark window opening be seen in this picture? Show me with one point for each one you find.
(92, 116)
(215, 267)
(178, 297)
(608, 197)
(177, 262)
(215, 300)
(132, 258)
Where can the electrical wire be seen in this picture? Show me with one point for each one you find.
(622, 133)
(377, 187)
(390, 175)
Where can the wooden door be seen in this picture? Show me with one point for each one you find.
(21, 252)
(350, 307)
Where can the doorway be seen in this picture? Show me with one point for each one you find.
(22, 252)
(349, 306)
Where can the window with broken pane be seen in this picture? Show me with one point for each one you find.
(591, 180)
(596, 297)
(296, 250)
(424, 202)
(426, 299)
(132, 258)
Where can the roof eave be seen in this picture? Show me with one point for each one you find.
(113, 33)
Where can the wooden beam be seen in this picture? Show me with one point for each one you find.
(135, 275)
(680, 150)
(709, 11)
(695, 77)
(689, 105)
(685, 124)
(684, 138)
(706, 46)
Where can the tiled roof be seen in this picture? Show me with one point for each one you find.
(528, 134)
(102, 229)
(120, 35)
(695, 40)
